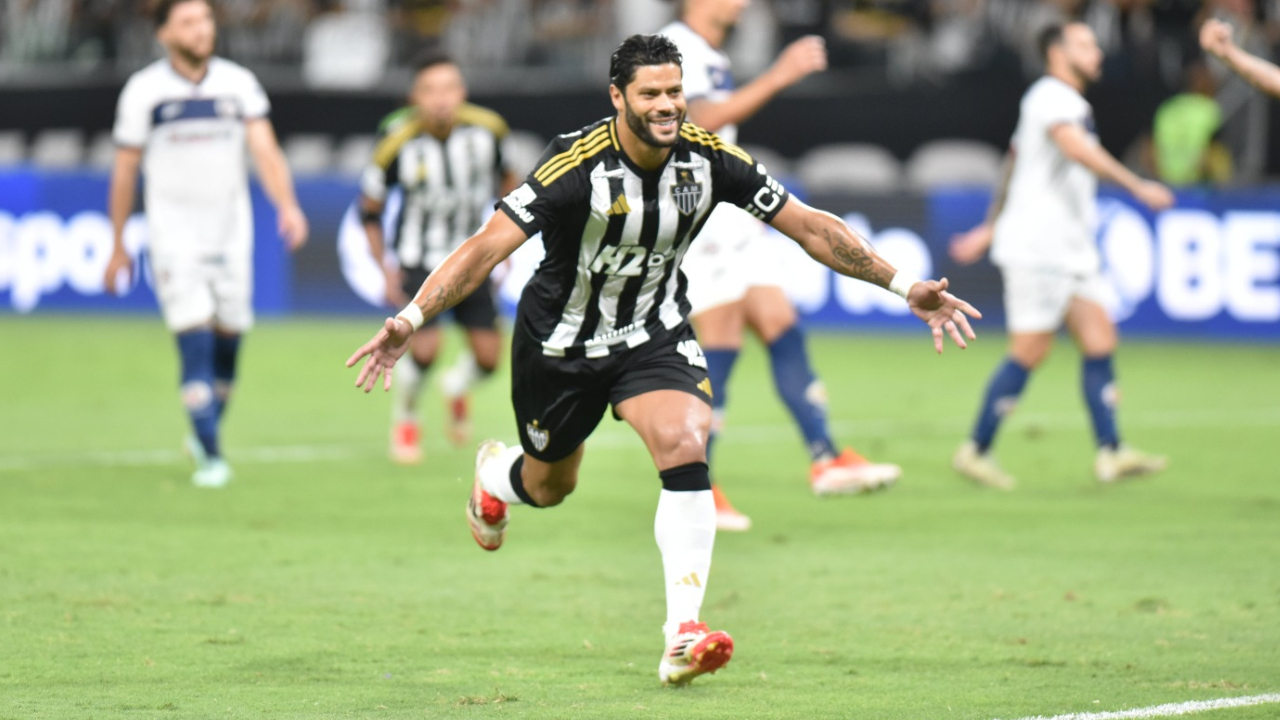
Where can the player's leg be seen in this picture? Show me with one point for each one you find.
(226, 354)
(717, 286)
(660, 395)
(557, 405)
(770, 314)
(406, 428)
(478, 316)
(1097, 338)
(1035, 305)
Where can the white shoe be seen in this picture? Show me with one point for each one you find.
(212, 473)
(1125, 462)
(487, 515)
(694, 650)
(980, 467)
(850, 474)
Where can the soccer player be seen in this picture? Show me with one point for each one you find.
(604, 319)
(446, 156)
(731, 283)
(1041, 231)
(1215, 38)
(186, 119)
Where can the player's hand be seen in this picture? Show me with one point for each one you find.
(395, 293)
(1154, 195)
(969, 247)
(112, 281)
(801, 58)
(383, 351)
(931, 302)
(1215, 37)
(293, 226)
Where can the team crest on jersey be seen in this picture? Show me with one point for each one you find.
(687, 192)
(171, 110)
(538, 436)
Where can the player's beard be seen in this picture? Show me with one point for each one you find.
(640, 126)
(193, 57)
(1086, 78)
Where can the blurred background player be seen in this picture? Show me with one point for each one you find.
(185, 119)
(445, 155)
(603, 321)
(731, 279)
(1043, 224)
(1216, 39)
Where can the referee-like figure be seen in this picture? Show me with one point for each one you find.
(604, 321)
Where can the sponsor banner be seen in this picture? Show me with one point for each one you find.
(1209, 268)
(56, 239)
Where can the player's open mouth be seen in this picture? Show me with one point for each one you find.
(666, 123)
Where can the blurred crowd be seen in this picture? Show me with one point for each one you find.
(909, 40)
(359, 44)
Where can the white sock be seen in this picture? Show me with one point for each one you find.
(685, 528)
(406, 385)
(460, 376)
(495, 476)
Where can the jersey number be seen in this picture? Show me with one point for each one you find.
(627, 260)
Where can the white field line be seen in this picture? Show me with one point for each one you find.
(1168, 709)
(612, 436)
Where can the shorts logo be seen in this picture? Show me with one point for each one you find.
(692, 352)
(539, 437)
(687, 192)
(705, 386)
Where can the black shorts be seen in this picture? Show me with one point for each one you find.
(559, 401)
(477, 311)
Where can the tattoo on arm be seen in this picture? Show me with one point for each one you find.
(855, 259)
(446, 295)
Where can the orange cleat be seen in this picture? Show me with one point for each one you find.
(727, 516)
(486, 514)
(850, 474)
(406, 443)
(695, 650)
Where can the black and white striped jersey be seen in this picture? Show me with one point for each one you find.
(447, 184)
(615, 234)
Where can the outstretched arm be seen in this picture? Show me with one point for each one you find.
(1076, 144)
(831, 242)
(800, 59)
(456, 278)
(1215, 38)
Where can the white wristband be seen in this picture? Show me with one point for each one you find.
(412, 314)
(901, 284)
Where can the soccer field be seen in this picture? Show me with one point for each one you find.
(326, 582)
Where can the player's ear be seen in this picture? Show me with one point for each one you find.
(616, 96)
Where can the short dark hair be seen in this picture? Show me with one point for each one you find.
(1049, 37)
(638, 51)
(430, 58)
(163, 8)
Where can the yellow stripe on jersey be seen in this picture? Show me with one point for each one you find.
(485, 118)
(613, 133)
(389, 146)
(693, 133)
(578, 152)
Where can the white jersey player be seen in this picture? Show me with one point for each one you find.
(731, 275)
(185, 120)
(1041, 231)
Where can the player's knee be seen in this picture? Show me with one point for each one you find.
(197, 397)
(680, 443)
(552, 489)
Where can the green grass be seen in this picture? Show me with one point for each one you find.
(343, 586)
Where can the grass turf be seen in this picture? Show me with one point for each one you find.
(326, 582)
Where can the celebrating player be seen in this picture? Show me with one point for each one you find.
(1215, 38)
(732, 282)
(1042, 220)
(186, 119)
(603, 321)
(446, 156)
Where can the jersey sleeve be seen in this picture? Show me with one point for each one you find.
(133, 116)
(1059, 106)
(536, 206)
(740, 180)
(383, 171)
(254, 100)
